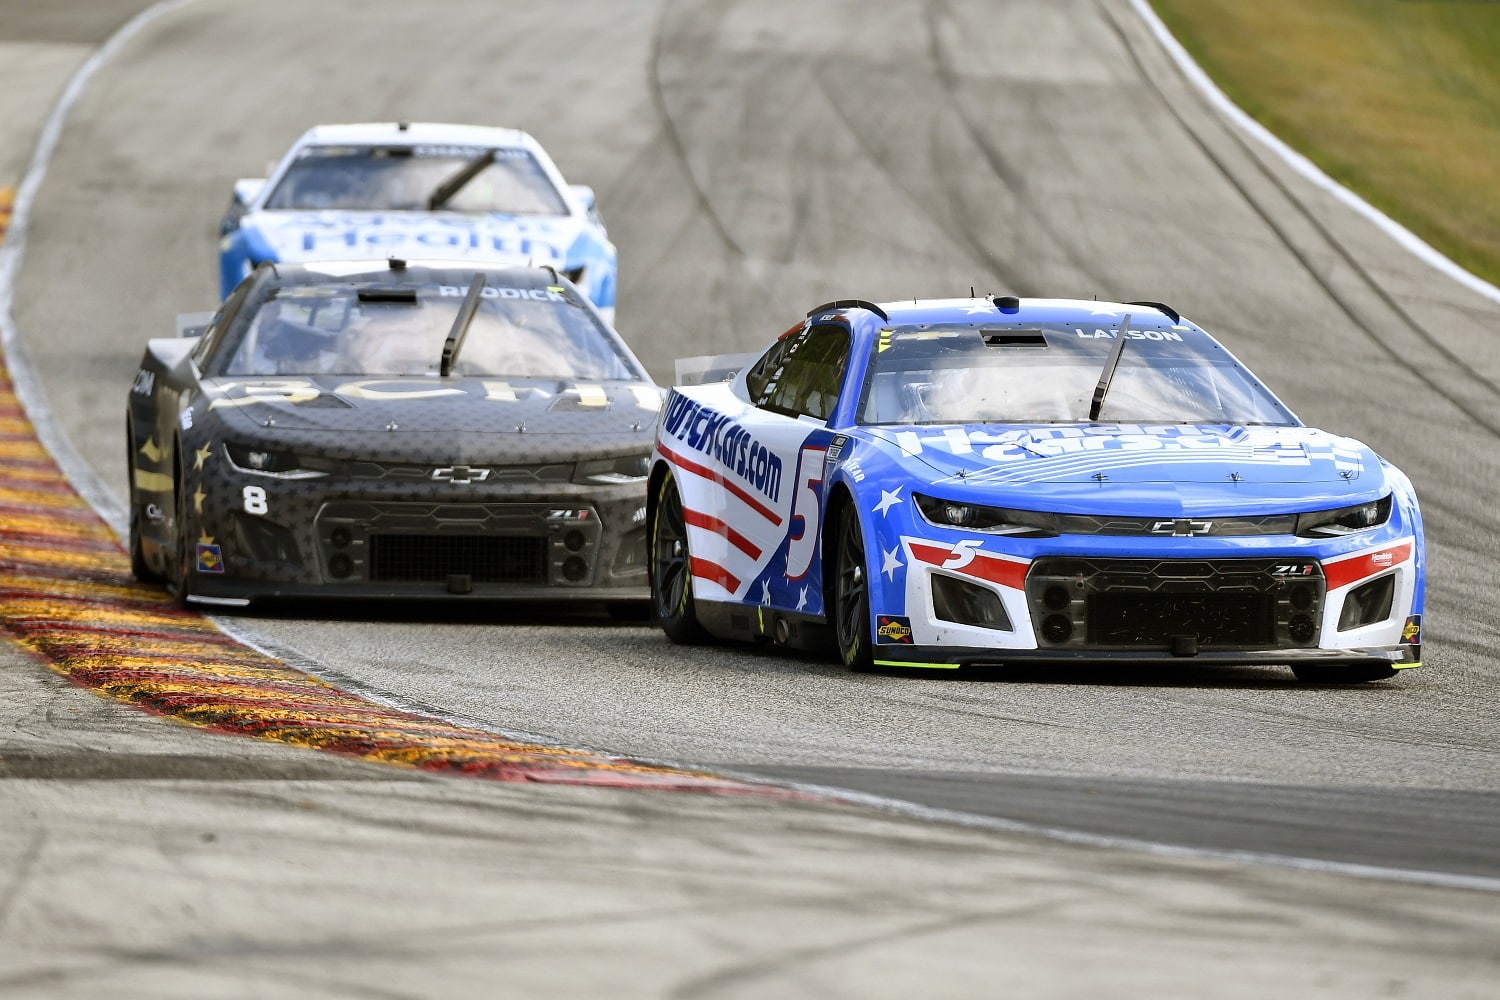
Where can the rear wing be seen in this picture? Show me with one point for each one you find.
(711, 368)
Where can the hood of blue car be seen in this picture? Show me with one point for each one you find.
(1153, 468)
(342, 235)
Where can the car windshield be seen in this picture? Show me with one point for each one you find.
(368, 330)
(1048, 373)
(404, 178)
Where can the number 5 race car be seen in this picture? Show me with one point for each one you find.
(390, 430)
(1001, 480)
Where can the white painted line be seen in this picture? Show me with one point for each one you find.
(28, 385)
(1408, 240)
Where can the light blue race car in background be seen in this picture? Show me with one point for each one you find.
(416, 191)
(1000, 481)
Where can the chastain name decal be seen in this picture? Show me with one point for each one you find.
(713, 434)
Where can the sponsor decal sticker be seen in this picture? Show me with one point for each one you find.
(893, 628)
(732, 446)
(210, 558)
(1411, 632)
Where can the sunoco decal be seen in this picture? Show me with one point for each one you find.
(893, 628)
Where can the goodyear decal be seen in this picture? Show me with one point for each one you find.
(66, 595)
(713, 434)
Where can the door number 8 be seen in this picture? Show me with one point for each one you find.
(255, 500)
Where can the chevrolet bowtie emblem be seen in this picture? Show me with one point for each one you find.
(460, 475)
(1182, 527)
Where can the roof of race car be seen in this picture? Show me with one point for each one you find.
(415, 134)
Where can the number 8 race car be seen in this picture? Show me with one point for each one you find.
(997, 480)
(373, 429)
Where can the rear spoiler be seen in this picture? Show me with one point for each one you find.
(711, 368)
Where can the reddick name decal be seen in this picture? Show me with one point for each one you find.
(711, 433)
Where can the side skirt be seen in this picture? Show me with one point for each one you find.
(771, 626)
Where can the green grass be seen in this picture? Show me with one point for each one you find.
(1399, 100)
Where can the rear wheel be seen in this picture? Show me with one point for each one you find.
(138, 565)
(180, 566)
(672, 569)
(1358, 673)
(851, 593)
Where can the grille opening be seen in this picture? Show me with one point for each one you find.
(1214, 619)
(434, 558)
(1368, 603)
(965, 603)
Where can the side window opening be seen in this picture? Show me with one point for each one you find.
(802, 375)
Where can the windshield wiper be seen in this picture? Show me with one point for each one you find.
(455, 341)
(1106, 376)
(450, 187)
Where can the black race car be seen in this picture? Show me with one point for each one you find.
(384, 429)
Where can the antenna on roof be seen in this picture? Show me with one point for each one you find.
(402, 126)
(971, 291)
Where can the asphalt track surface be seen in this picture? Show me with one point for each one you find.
(753, 159)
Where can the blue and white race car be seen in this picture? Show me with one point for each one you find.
(1001, 480)
(419, 191)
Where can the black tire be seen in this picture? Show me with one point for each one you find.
(1359, 673)
(180, 566)
(851, 593)
(138, 566)
(672, 570)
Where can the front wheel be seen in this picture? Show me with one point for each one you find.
(851, 593)
(672, 569)
(184, 550)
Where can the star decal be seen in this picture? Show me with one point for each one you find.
(198, 498)
(1104, 311)
(891, 564)
(978, 309)
(203, 454)
(151, 450)
(888, 499)
(765, 591)
(802, 599)
(205, 539)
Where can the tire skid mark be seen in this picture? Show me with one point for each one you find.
(66, 595)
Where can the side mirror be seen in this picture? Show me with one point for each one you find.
(246, 190)
(590, 201)
(172, 356)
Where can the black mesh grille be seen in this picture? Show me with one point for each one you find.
(1216, 619)
(483, 558)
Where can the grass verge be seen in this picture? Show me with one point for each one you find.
(1398, 100)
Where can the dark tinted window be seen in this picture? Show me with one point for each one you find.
(404, 178)
(802, 373)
